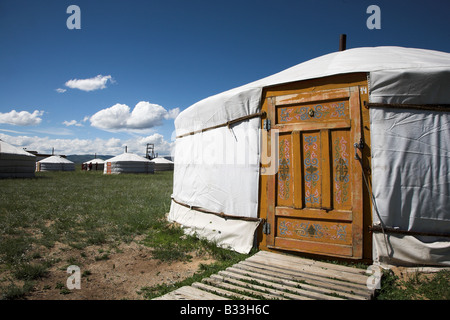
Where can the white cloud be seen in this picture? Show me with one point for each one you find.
(162, 147)
(12, 131)
(145, 115)
(114, 117)
(172, 114)
(54, 131)
(60, 90)
(72, 123)
(22, 118)
(91, 84)
(112, 146)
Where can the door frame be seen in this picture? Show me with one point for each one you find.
(352, 93)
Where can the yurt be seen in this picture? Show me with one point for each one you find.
(162, 164)
(97, 164)
(345, 155)
(128, 163)
(16, 162)
(55, 163)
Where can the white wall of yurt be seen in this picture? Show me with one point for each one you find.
(55, 163)
(162, 164)
(128, 163)
(16, 162)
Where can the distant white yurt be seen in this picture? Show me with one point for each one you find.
(162, 164)
(16, 162)
(97, 164)
(55, 163)
(128, 163)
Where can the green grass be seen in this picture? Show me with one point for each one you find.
(79, 209)
(418, 287)
(225, 258)
(169, 243)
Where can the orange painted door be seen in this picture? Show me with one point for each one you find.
(315, 198)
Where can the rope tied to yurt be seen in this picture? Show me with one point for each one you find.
(225, 124)
(219, 214)
(374, 203)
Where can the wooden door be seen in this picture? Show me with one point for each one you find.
(315, 198)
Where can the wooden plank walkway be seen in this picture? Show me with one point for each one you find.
(268, 275)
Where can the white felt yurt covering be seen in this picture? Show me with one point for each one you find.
(218, 170)
(55, 163)
(162, 164)
(16, 162)
(128, 163)
(99, 162)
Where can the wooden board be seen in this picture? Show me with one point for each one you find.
(190, 293)
(273, 276)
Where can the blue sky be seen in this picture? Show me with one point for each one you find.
(134, 65)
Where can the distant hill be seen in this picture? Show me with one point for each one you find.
(80, 158)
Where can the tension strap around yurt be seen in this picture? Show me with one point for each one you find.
(219, 214)
(225, 124)
(431, 107)
(376, 228)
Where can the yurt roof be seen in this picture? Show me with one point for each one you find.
(55, 159)
(10, 149)
(395, 76)
(161, 160)
(96, 160)
(128, 157)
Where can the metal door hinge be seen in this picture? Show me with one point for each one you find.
(266, 228)
(267, 124)
(359, 146)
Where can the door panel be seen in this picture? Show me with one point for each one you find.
(316, 202)
(341, 182)
(285, 176)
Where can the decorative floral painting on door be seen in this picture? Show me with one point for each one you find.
(311, 150)
(341, 170)
(284, 171)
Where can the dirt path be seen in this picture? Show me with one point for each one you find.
(109, 274)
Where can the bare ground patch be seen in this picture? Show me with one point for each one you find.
(109, 273)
